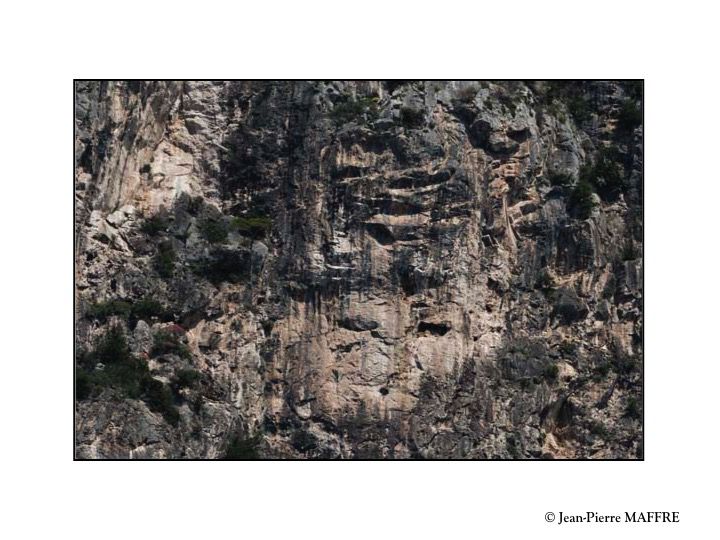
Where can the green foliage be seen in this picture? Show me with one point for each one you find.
(568, 348)
(508, 102)
(467, 95)
(606, 174)
(513, 447)
(601, 370)
(195, 205)
(412, 118)
(630, 251)
(104, 310)
(145, 308)
(579, 108)
(632, 409)
(303, 441)
(550, 372)
(122, 372)
(598, 429)
(165, 342)
(154, 225)
(165, 260)
(225, 265)
(160, 399)
(630, 117)
(187, 378)
(253, 226)
(112, 348)
(214, 231)
(351, 110)
(572, 94)
(623, 363)
(83, 385)
(560, 179)
(580, 202)
(633, 89)
(556, 110)
(241, 448)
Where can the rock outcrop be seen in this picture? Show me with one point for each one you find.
(338, 269)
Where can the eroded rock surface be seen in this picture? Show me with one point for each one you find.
(396, 269)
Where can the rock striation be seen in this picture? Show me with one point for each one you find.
(359, 269)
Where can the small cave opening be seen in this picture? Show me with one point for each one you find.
(519, 135)
(436, 329)
(384, 391)
(380, 233)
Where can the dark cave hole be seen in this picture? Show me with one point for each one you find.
(380, 232)
(435, 329)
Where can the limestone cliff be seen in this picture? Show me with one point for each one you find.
(340, 269)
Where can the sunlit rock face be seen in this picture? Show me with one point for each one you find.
(338, 269)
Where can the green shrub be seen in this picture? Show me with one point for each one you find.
(467, 95)
(83, 385)
(187, 378)
(214, 231)
(125, 374)
(623, 363)
(120, 371)
(104, 310)
(601, 371)
(303, 441)
(113, 348)
(598, 429)
(629, 251)
(630, 117)
(165, 342)
(568, 348)
(256, 227)
(606, 174)
(560, 179)
(513, 447)
(165, 260)
(580, 202)
(572, 94)
(632, 409)
(508, 102)
(633, 89)
(154, 225)
(195, 205)
(160, 399)
(579, 108)
(225, 265)
(551, 372)
(351, 110)
(147, 308)
(240, 448)
(126, 377)
(412, 118)
(144, 308)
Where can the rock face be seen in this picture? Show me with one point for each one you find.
(391, 269)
